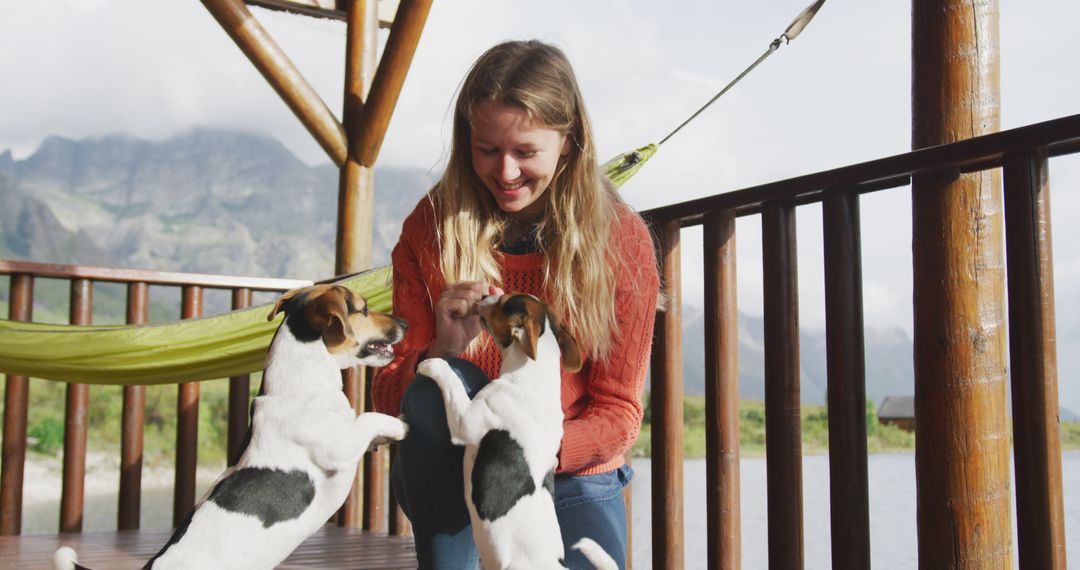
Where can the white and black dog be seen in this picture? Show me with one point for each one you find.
(512, 431)
(306, 440)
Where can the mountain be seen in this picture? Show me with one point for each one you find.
(205, 201)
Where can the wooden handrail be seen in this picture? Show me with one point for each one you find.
(1059, 137)
(93, 273)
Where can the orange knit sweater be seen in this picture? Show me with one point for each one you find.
(602, 401)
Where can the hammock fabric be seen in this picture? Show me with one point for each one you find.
(185, 351)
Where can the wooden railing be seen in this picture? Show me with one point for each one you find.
(192, 286)
(1023, 155)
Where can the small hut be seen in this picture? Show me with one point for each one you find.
(898, 411)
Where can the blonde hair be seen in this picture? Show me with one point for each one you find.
(580, 203)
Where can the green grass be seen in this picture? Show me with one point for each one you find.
(815, 431)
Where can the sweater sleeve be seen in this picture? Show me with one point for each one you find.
(412, 303)
(611, 420)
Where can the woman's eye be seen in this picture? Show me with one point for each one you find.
(482, 150)
(526, 153)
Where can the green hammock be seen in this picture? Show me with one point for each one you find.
(184, 351)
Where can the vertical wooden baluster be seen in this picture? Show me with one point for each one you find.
(187, 422)
(75, 421)
(131, 437)
(374, 472)
(722, 393)
(16, 401)
(848, 476)
(783, 419)
(667, 411)
(1032, 344)
(350, 515)
(239, 391)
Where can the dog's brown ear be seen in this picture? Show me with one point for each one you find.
(571, 352)
(527, 334)
(281, 301)
(329, 314)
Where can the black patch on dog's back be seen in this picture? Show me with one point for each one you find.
(500, 475)
(271, 495)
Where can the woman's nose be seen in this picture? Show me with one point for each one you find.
(508, 168)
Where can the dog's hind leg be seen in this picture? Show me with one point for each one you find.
(465, 425)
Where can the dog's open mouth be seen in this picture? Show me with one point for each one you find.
(378, 349)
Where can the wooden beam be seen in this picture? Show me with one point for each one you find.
(389, 78)
(328, 9)
(282, 75)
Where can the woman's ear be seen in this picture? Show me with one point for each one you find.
(567, 140)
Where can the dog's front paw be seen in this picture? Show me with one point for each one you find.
(385, 429)
(435, 368)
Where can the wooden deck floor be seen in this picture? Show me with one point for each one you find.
(331, 547)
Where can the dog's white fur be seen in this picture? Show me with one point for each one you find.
(302, 423)
(524, 402)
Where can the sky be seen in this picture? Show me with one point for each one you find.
(837, 95)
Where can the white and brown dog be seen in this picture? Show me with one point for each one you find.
(512, 431)
(305, 439)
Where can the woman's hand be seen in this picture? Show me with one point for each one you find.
(456, 320)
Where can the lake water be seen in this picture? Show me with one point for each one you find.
(892, 511)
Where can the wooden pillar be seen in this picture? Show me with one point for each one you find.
(131, 432)
(16, 404)
(961, 455)
(722, 393)
(667, 410)
(356, 200)
(75, 421)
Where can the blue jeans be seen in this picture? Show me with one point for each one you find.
(429, 484)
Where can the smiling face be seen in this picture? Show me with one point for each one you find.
(515, 159)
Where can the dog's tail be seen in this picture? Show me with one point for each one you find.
(65, 559)
(595, 554)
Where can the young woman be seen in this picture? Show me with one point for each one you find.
(522, 206)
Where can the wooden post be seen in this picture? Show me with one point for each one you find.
(722, 393)
(187, 422)
(849, 489)
(356, 200)
(239, 392)
(961, 454)
(131, 432)
(75, 421)
(1040, 511)
(667, 410)
(783, 406)
(16, 403)
(282, 75)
